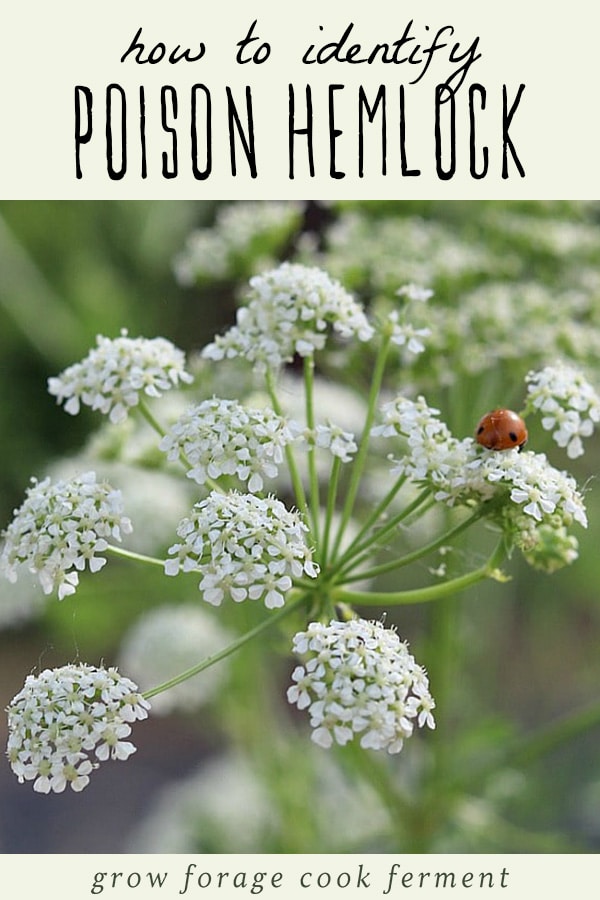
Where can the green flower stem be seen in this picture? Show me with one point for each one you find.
(289, 455)
(272, 619)
(552, 736)
(372, 518)
(149, 417)
(425, 594)
(531, 748)
(444, 656)
(332, 488)
(416, 554)
(137, 557)
(313, 478)
(361, 457)
(381, 778)
(357, 552)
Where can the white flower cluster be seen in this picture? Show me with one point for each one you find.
(288, 312)
(460, 472)
(432, 453)
(167, 641)
(60, 527)
(244, 546)
(61, 715)
(115, 373)
(535, 485)
(222, 437)
(569, 405)
(358, 678)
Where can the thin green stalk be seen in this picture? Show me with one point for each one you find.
(332, 488)
(149, 417)
(381, 778)
(529, 749)
(425, 594)
(371, 519)
(363, 448)
(137, 557)
(289, 455)
(313, 477)
(379, 510)
(409, 558)
(443, 656)
(356, 553)
(552, 736)
(271, 620)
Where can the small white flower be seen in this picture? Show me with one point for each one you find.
(114, 374)
(222, 437)
(60, 527)
(408, 336)
(63, 715)
(358, 678)
(244, 547)
(405, 334)
(331, 437)
(288, 313)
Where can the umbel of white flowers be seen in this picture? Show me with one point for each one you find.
(356, 679)
(65, 721)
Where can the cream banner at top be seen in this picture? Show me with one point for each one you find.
(141, 99)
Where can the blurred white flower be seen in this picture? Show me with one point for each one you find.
(333, 402)
(239, 228)
(167, 641)
(226, 806)
(405, 334)
(415, 292)
(21, 601)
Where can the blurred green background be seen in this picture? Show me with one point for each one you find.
(71, 270)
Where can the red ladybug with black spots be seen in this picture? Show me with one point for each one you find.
(501, 429)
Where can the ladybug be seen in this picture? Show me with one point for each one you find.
(501, 429)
